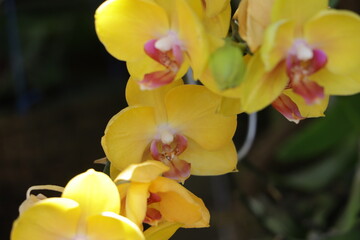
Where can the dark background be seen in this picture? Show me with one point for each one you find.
(58, 89)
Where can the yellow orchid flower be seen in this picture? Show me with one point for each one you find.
(175, 124)
(308, 49)
(88, 209)
(158, 39)
(161, 202)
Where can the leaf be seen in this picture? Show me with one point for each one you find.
(352, 211)
(275, 218)
(350, 106)
(317, 137)
(333, 3)
(323, 172)
(352, 235)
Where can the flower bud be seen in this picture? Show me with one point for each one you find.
(227, 66)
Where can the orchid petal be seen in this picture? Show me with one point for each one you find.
(204, 162)
(94, 191)
(213, 8)
(137, 69)
(278, 39)
(136, 96)
(219, 23)
(308, 111)
(136, 202)
(261, 88)
(124, 26)
(253, 18)
(178, 204)
(299, 12)
(192, 111)
(337, 33)
(162, 231)
(230, 106)
(338, 84)
(128, 134)
(49, 219)
(144, 172)
(179, 170)
(110, 226)
(287, 108)
(192, 35)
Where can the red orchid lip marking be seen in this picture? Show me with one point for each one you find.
(168, 53)
(287, 108)
(301, 63)
(157, 79)
(152, 215)
(153, 198)
(168, 154)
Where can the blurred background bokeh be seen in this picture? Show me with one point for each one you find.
(59, 87)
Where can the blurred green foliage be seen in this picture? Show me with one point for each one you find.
(321, 166)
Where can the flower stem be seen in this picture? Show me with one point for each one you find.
(250, 137)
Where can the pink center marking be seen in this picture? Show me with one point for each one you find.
(301, 62)
(152, 215)
(168, 153)
(168, 52)
(287, 108)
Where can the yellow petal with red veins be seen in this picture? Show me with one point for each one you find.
(261, 88)
(192, 34)
(192, 111)
(337, 84)
(162, 231)
(110, 226)
(124, 26)
(204, 162)
(297, 11)
(94, 191)
(337, 33)
(136, 202)
(128, 134)
(144, 172)
(278, 39)
(53, 218)
(178, 204)
(308, 111)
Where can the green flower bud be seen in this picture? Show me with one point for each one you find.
(227, 66)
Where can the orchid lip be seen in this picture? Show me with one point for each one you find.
(166, 151)
(167, 51)
(287, 108)
(301, 62)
